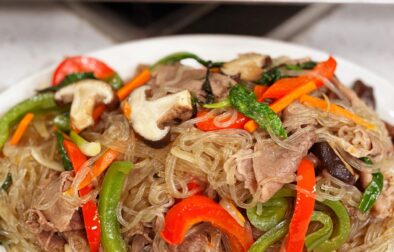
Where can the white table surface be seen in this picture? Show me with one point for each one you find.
(36, 35)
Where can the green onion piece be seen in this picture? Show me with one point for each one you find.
(372, 192)
(90, 149)
(222, 104)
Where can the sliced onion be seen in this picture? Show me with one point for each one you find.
(233, 211)
(51, 164)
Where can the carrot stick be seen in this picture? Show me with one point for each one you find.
(250, 126)
(283, 102)
(286, 100)
(22, 126)
(126, 110)
(139, 80)
(334, 109)
(98, 168)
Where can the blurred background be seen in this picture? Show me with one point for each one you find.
(34, 35)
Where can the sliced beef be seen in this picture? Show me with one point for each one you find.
(176, 77)
(77, 240)
(244, 171)
(50, 241)
(61, 218)
(365, 93)
(275, 166)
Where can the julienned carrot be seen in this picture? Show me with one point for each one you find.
(126, 110)
(250, 126)
(139, 80)
(283, 102)
(334, 109)
(22, 126)
(98, 168)
(286, 100)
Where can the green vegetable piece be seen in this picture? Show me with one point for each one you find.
(245, 102)
(90, 149)
(314, 239)
(115, 81)
(269, 77)
(285, 192)
(303, 66)
(206, 86)
(341, 230)
(110, 195)
(69, 79)
(62, 122)
(178, 56)
(270, 237)
(372, 192)
(273, 212)
(222, 104)
(38, 103)
(63, 153)
(7, 182)
(367, 160)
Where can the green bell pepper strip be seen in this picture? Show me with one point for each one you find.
(309, 65)
(178, 56)
(40, 102)
(69, 79)
(270, 237)
(372, 192)
(67, 165)
(285, 192)
(245, 102)
(110, 195)
(319, 236)
(115, 81)
(341, 230)
(62, 122)
(7, 182)
(273, 212)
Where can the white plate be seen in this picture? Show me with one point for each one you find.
(125, 57)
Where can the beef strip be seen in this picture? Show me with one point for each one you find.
(177, 77)
(50, 241)
(275, 166)
(365, 93)
(52, 224)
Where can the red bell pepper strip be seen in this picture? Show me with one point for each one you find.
(197, 208)
(284, 86)
(89, 209)
(81, 64)
(305, 202)
(208, 124)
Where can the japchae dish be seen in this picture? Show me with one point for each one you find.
(254, 154)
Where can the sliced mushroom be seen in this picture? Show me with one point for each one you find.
(150, 118)
(249, 66)
(331, 161)
(84, 95)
